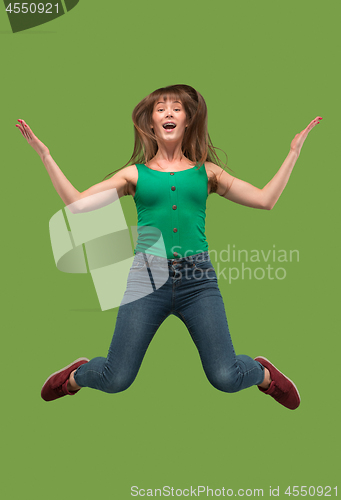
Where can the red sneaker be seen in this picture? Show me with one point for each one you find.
(282, 389)
(56, 385)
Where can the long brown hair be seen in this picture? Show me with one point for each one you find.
(196, 145)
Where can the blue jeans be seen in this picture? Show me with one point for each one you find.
(189, 290)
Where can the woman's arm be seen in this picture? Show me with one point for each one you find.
(246, 194)
(63, 186)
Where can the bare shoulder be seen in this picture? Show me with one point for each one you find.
(130, 174)
(212, 168)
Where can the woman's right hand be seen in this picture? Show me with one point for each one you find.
(36, 144)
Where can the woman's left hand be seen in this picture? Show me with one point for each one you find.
(299, 139)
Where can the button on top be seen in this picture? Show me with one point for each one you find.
(175, 230)
(172, 173)
(173, 188)
(174, 207)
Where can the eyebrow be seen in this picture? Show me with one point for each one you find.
(162, 102)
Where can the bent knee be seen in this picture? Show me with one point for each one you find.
(117, 384)
(225, 380)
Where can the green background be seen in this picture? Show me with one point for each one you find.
(266, 69)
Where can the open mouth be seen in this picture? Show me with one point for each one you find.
(169, 126)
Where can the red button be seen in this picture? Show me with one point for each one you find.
(175, 254)
(174, 207)
(172, 173)
(175, 230)
(173, 188)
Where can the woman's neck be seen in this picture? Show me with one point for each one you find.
(169, 153)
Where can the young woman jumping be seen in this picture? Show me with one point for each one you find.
(172, 171)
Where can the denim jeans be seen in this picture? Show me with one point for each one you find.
(157, 287)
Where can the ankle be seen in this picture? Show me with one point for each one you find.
(266, 381)
(72, 386)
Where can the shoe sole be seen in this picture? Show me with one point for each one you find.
(65, 367)
(265, 359)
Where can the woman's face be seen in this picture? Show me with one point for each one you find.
(169, 120)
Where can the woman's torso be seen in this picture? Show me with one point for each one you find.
(171, 203)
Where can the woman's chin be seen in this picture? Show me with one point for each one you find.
(170, 137)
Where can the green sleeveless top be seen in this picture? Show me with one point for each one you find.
(171, 205)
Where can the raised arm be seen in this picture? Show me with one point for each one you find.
(246, 194)
(68, 193)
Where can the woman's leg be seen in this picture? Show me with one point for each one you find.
(141, 312)
(136, 324)
(200, 306)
